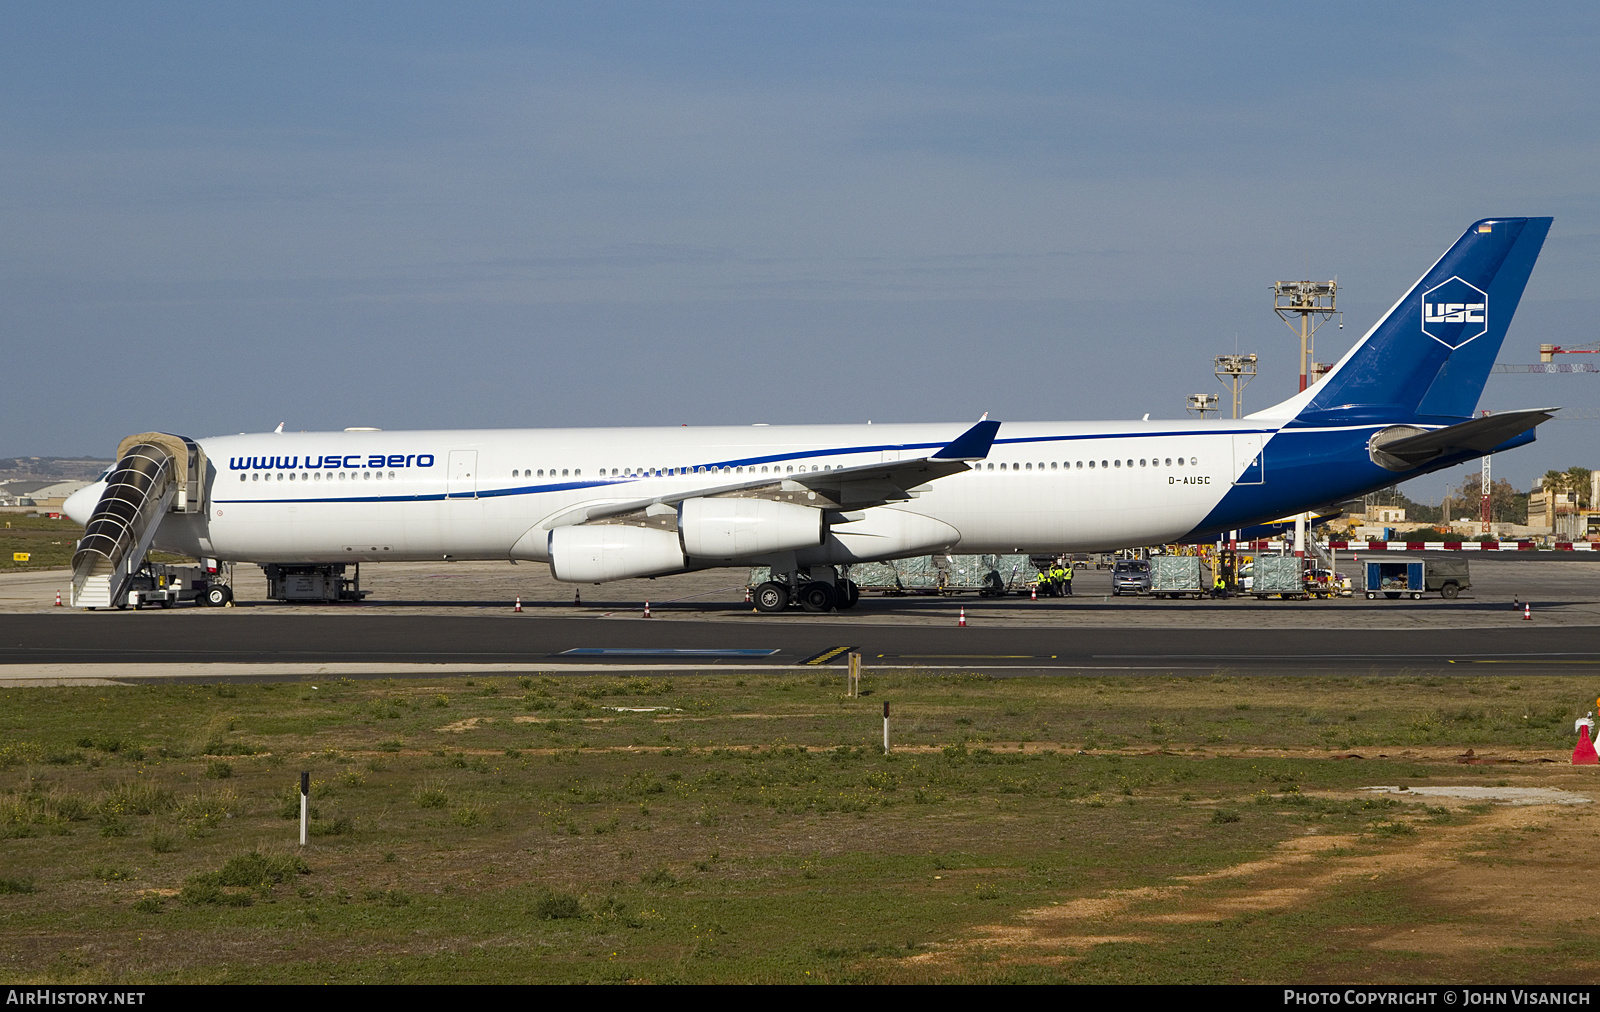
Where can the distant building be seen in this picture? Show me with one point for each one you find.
(1544, 506)
(1386, 515)
(44, 494)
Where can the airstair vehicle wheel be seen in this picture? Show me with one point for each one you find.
(771, 597)
(816, 597)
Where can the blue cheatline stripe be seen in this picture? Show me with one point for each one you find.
(741, 462)
(662, 652)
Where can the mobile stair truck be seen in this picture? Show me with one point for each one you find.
(1414, 577)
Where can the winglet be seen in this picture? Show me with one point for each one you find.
(972, 444)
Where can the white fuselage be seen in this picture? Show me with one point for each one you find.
(493, 494)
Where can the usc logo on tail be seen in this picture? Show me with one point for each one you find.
(1455, 312)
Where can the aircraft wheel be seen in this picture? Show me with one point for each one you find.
(771, 597)
(816, 597)
(847, 594)
(217, 596)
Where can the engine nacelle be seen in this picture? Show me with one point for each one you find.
(733, 528)
(882, 533)
(598, 553)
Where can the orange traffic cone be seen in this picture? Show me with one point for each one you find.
(647, 609)
(1527, 612)
(1035, 592)
(747, 595)
(577, 596)
(962, 621)
(58, 599)
(1583, 753)
(518, 608)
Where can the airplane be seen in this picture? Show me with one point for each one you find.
(607, 504)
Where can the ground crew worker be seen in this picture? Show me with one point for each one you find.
(1219, 586)
(1066, 579)
(1046, 588)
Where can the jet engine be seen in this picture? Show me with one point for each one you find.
(732, 528)
(596, 553)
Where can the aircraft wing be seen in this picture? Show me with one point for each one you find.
(1477, 436)
(843, 488)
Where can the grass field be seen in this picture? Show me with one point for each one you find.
(49, 544)
(727, 828)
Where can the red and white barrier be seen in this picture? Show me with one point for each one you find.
(1437, 546)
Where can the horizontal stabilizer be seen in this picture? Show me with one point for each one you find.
(1406, 448)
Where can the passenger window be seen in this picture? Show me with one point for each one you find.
(1080, 464)
(991, 467)
(513, 472)
(1041, 465)
(1169, 461)
(1117, 462)
(1105, 464)
(1141, 461)
(255, 477)
(563, 472)
(317, 476)
(577, 473)
(391, 474)
(1193, 461)
(244, 477)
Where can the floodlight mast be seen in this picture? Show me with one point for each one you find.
(1236, 372)
(1314, 302)
(1199, 404)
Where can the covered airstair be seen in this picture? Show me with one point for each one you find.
(156, 474)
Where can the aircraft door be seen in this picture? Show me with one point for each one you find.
(463, 483)
(1248, 467)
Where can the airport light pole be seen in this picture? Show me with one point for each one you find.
(1314, 302)
(1231, 370)
(1199, 404)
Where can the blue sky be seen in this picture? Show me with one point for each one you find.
(217, 217)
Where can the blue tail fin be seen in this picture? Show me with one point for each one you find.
(1429, 357)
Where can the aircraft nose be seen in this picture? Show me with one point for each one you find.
(80, 504)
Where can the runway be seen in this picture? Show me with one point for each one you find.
(63, 646)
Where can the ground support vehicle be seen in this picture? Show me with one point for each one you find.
(1130, 576)
(1396, 578)
(326, 583)
(164, 586)
(930, 575)
(1283, 575)
(1176, 576)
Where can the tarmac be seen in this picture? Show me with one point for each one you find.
(439, 619)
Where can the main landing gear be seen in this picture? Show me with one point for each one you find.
(810, 593)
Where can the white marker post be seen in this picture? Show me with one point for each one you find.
(852, 679)
(885, 728)
(305, 795)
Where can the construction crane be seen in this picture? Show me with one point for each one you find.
(1547, 363)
